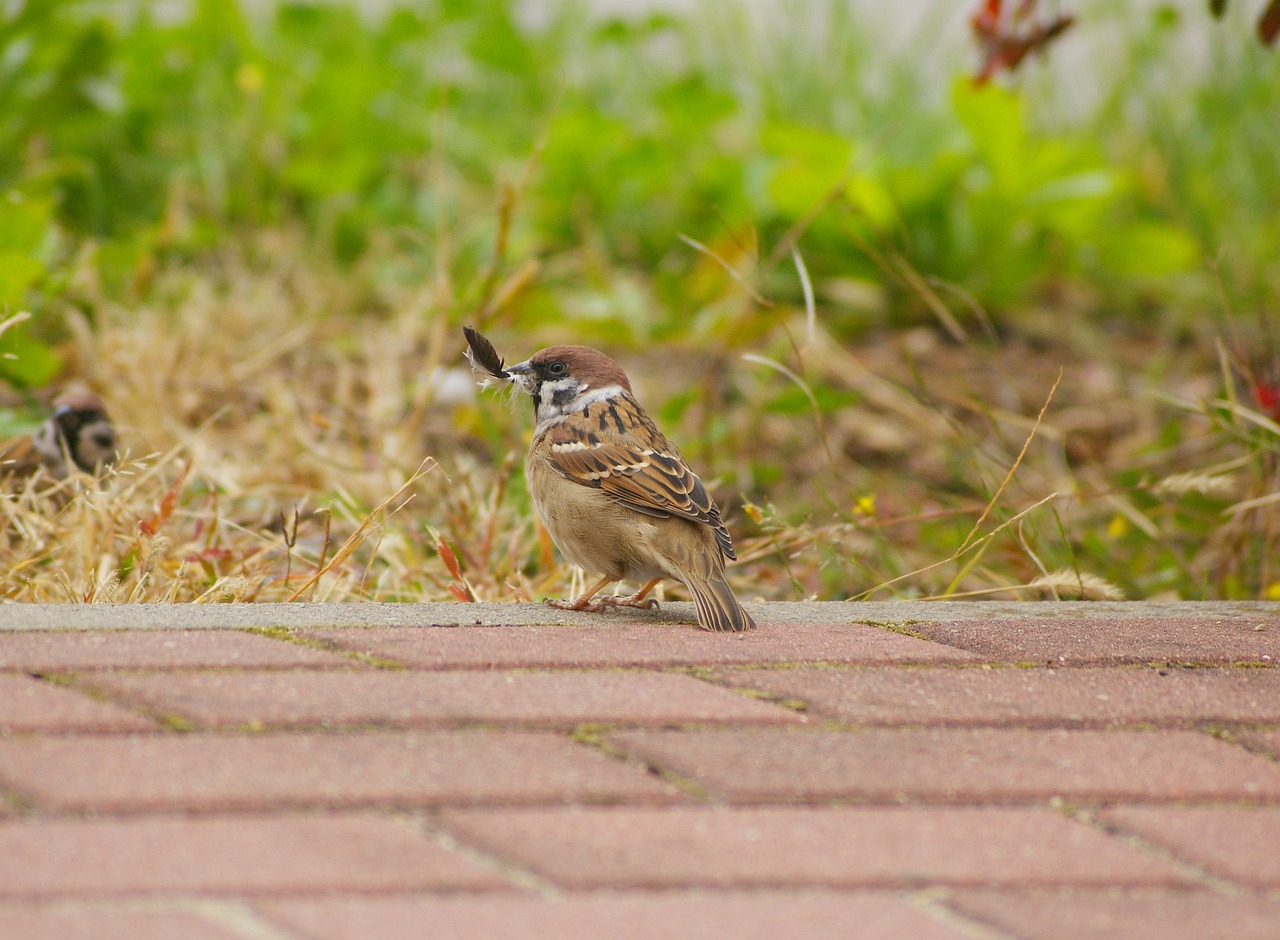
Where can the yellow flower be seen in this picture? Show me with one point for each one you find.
(865, 505)
(1117, 527)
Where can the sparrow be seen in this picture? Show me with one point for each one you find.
(78, 434)
(615, 495)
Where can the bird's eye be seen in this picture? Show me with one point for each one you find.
(557, 368)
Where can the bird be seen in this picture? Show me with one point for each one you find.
(78, 434)
(614, 493)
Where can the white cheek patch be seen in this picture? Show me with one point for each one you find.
(567, 396)
(46, 441)
(561, 393)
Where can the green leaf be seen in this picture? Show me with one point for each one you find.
(13, 423)
(675, 407)
(25, 223)
(873, 200)
(993, 118)
(1148, 249)
(18, 272)
(811, 161)
(24, 361)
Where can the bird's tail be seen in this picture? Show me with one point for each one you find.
(718, 609)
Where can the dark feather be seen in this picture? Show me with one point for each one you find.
(483, 355)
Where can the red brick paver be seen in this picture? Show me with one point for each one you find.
(98, 922)
(1109, 915)
(224, 699)
(226, 855)
(45, 651)
(1082, 696)
(1264, 742)
(1171, 639)
(1005, 777)
(764, 916)
(1237, 842)
(963, 765)
(209, 772)
(31, 704)
(867, 846)
(631, 644)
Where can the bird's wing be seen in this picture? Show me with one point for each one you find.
(648, 480)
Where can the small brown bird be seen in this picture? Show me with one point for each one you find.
(614, 493)
(79, 431)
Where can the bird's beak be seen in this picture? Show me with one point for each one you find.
(521, 374)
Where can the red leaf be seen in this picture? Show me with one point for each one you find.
(1006, 41)
(1268, 398)
(211, 554)
(448, 557)
(1269, 23)
(168, 503)
(459, 588)
(989, 13)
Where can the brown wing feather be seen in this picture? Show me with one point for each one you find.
(657, 484)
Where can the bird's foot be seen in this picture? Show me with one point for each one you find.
(582, 603)
(630, 600)
(601, 604)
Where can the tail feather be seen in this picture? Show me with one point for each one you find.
(718, 609)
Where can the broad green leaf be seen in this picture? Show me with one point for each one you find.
(25, 223)
(993, 118)
(18, 272)
(1147, 249)
(25, 361)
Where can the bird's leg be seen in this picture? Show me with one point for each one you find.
(584, 601)
(637, 599)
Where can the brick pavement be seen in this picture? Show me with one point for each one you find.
(997, 772)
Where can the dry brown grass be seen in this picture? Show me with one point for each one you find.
(276, 446)
(298, 432)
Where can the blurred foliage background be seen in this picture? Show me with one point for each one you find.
(1004, 338)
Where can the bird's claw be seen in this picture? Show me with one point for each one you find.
(641, 603)
(600, 605)
(591, 607)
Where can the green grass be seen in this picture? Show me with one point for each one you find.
(1029, 369)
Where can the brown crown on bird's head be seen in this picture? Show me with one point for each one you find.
(591, 367)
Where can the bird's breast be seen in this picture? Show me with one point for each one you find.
(590, 529)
